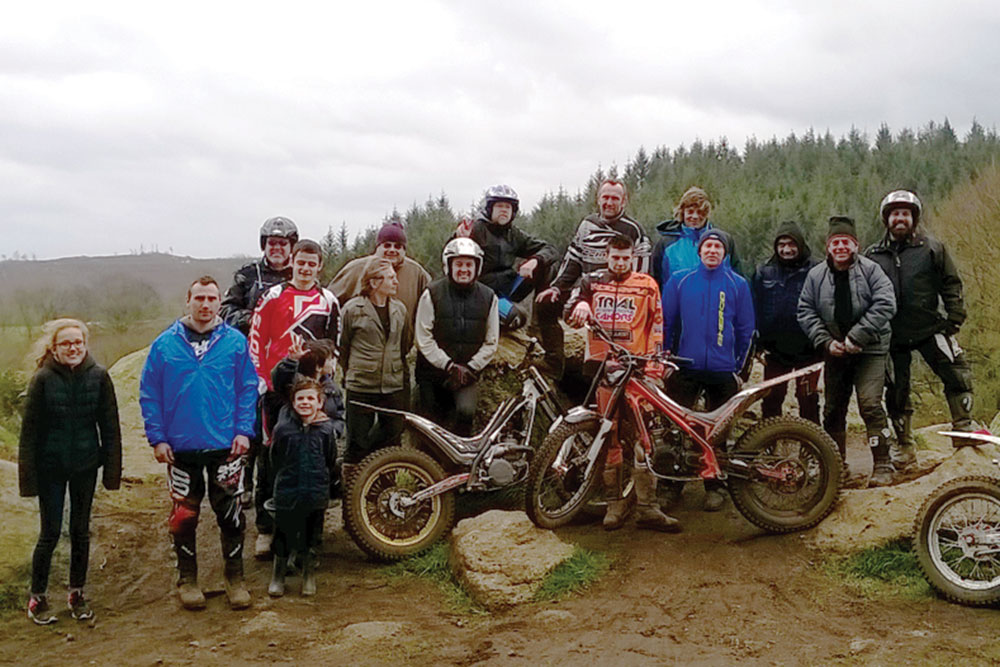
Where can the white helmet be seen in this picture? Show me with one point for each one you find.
(898, 198)
(461, 247)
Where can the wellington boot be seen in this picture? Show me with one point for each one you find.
(309, 573)
(190, 595)
(617, 509)
(648, 512)
(277, 586)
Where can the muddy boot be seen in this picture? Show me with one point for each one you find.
(617, 509)
(648, 513)
(668, 494)
(277, 586)
(236, 588)
(903, 453)
(188, 592)
(262, 546)
(882, 474)
(714, 500)
(309, 573)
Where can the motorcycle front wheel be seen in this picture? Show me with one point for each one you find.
(792, 474)
(558, 486)
(376, 514)
(957, 540)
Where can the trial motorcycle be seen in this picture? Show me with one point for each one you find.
(784, 474)
(401, 500)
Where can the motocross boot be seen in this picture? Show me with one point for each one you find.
(236, 588)
(960, 406)
(617, 510)
(903, 452)
(648, 510)
(309, 572)
(882, 470)
(188, 591)
(277, 586)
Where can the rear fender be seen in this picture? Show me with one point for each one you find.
(576, 415)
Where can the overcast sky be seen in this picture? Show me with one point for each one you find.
(184, 125)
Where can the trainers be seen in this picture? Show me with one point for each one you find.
(714, 500)
(39, 610)
(882, 474)
(78, 606)
(237, 593)
(262, 547)
(190, 595)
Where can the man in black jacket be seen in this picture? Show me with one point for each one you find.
(925, 279)
(503, 245)
(776, 287)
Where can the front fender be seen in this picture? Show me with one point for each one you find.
(576, 415)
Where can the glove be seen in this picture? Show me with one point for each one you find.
(950, 328)
(459, 376)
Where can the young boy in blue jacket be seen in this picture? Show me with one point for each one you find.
(303, 453)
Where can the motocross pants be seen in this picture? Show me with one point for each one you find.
(948, 362)
(865, 375)
(187, 482)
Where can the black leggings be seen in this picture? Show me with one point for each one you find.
(51, 501)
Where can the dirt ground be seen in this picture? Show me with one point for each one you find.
(720, 592)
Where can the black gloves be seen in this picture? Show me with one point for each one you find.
(459, 375)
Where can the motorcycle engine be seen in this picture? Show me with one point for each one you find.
(506, 468)
(668, 447)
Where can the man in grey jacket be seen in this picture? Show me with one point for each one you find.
(845, 308)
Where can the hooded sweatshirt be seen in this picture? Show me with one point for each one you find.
(776, 287)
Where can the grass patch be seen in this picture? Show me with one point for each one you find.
(574, 574)
(890, 569)
(433, 566)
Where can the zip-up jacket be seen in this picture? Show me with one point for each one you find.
(873, 304)
(708, 317)
(302, 456)
(459, 324)
(283, 310)
(372, 358)
(502, 246)
(588, 251)
(924, 278)
(198, 404)
(776, 287)
(249, 283)
(677, 250)
(626, 306)
(70, 425)
(283, 377)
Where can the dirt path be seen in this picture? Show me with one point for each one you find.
(721, 592)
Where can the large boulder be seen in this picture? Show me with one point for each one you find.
(870, 517)
(501, 558)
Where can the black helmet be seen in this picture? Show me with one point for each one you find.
(500, 193)
(280, 227)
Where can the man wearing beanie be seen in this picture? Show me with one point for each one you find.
(845, 308)
(776, 287)
(920, 262)
(708, 317)
(391, 245)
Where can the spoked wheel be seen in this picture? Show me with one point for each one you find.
(558, 483)
(793, 474)
(377, 512)
(957, 540)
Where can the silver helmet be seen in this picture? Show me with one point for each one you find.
(461, 247)
(501, 193)
(898, 198)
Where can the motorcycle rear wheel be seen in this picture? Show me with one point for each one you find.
(952, 537)
(810, 470)
(372, 516)
(555, 497)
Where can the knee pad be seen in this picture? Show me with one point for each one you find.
(183, 519)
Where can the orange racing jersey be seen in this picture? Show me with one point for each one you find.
(628, 308)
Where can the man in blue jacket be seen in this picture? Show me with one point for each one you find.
(198, 395)
(708, 317)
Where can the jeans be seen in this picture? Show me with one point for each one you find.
(368, 430)
(51, 501)
(808, 401)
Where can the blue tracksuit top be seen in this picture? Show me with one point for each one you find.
(194, 404)
(708, 316)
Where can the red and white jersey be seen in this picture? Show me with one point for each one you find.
(283, 310)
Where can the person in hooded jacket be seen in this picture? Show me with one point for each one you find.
(503, 246)
(677, 248)
(776, 287)
(930, 312)
(69, 431)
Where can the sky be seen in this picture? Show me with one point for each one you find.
(182, 126)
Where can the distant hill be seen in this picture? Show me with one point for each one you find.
(167, 275)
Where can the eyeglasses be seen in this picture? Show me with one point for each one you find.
(392, 245)
(67, 344)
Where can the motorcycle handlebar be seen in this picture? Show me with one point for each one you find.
(664, 358)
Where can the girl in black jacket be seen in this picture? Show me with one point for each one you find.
(70, 429)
